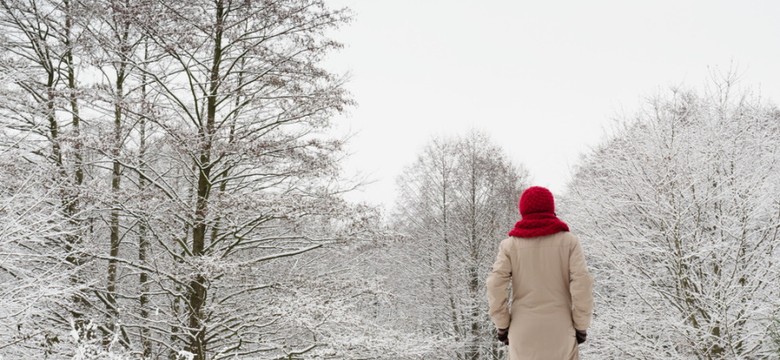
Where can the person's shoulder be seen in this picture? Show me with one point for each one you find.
(569, 235)
(569, 238)
(509, 243)
(506, 242)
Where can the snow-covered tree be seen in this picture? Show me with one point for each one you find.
(35, 279)
(42, 125)
(345, 298)
(456, 202)
(185, 152)
(244, 106)
(679, 211)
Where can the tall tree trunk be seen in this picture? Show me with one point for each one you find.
(143, 240)
(116, 169)
(197, 291)
(75, 256)
(473, 273)
(447, 266)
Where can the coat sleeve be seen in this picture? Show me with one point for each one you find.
(497, 283)
(580, 287)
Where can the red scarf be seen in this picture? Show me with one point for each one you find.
(538, 224)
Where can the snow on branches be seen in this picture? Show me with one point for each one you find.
(680, 213)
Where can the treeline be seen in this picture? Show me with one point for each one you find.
(678, 210)
(680, 214)
(171, 190)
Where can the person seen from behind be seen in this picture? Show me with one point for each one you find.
(552, 291)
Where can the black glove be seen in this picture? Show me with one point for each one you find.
(582, 335)
(503, 336)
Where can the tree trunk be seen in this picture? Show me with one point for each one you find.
(197, 291)
(143, 241)
(116, 178)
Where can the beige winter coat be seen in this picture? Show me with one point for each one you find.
(551, 295)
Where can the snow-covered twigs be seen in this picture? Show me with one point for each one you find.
(677, 211)
(456, 202)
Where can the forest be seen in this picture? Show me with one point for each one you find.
(171, 187)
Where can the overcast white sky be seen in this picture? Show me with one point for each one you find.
(543, 78)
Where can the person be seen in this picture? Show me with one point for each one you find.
(552, 290)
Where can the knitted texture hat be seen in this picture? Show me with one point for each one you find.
(537, 199)
(537, 208)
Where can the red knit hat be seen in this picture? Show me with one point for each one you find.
(537, 199)
(537, 208)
